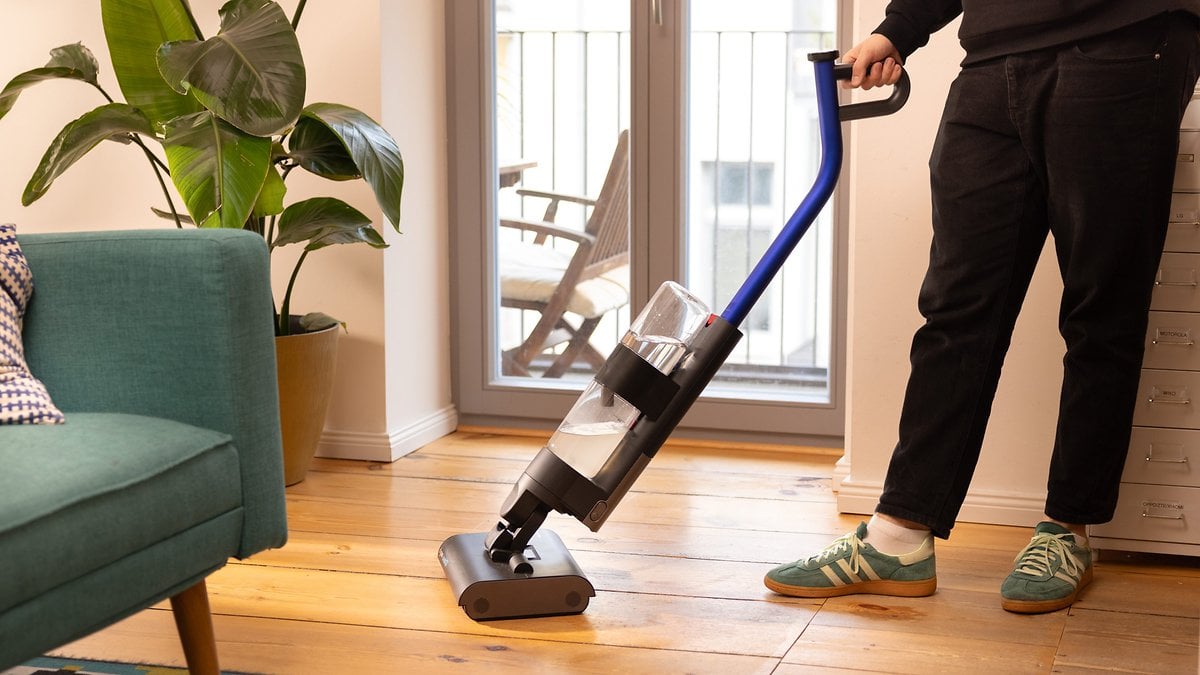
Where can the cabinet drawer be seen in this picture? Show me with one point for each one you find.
(1177, 285)
(1183, 228)
(1168, 398)
(1154, 513)
(1187, 170)
(1163, 457)
(1171, 341)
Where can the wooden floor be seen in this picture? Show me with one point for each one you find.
(678, 570)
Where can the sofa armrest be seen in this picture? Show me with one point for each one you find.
(166, 323)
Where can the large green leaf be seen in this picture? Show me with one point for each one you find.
(113, 120)
(72, 62)
(371, 148)
(323, 221)
(251, 74)
(134, 30)
(317, 149)
(270, 198)
(218, 169)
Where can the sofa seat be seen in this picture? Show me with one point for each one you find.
(88, 495)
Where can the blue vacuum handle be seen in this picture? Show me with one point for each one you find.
(829, 117)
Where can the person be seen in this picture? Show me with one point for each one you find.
(1063, 119)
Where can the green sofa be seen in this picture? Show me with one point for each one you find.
(157, 345)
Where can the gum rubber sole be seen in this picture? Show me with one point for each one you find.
(902, 589)
(1051, 605)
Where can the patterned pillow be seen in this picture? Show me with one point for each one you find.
(23, 399)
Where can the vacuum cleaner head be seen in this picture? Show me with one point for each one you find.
(541, 581)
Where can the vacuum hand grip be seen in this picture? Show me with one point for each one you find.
(887, 106)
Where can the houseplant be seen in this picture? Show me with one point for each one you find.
(228, 115)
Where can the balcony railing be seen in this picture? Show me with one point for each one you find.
(562, 98)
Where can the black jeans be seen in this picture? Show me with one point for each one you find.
(1079, 141)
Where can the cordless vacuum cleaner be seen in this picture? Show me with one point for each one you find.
(660, 367)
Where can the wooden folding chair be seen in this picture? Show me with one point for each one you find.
(587, 283)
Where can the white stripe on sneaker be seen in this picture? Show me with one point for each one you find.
(867, 569)
(850, 572)
(833, 578)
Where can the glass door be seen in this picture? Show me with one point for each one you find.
(600, 148)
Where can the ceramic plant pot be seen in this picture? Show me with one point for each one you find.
(305, 364)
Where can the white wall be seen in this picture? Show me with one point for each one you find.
(392, 389)
(889, 245)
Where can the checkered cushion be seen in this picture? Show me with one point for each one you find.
(23, 399)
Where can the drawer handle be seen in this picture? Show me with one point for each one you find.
(1188, 284)
(1172, 343)
(1147, 514)
(1193, 223)
(1181, 460)
(1172, 401)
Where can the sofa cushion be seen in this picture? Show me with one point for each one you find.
(23, 399)
(77, 497)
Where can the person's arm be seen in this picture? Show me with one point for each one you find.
(906, 27)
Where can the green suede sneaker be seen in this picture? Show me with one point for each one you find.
(1049, 574)
(850, 565)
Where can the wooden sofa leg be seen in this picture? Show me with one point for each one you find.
(194, 622)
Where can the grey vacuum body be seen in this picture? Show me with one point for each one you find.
(617, 425)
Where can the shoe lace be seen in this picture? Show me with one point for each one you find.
(848, 542)
(1043, 551)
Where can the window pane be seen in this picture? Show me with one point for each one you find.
(562, 105)
(753, 154)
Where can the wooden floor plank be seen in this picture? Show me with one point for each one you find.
(1123, 641)
(673, 455)
(762, 628)
(678, 540)
(638, 507)
(633, 570)
(949, 613)
(1122, 591)
(260, 645)
(810, 484)
(608, 571)
(915, 653)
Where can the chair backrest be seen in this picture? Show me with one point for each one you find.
(609, 221)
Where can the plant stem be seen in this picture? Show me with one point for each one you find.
(187, 8)
(285, 310)
(271, 233)
(299, 11)
(155, 162)
(102, 92)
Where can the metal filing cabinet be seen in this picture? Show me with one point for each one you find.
(1159, 507)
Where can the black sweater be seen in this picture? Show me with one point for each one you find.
(992, 28)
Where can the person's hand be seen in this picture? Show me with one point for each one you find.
(876, 63)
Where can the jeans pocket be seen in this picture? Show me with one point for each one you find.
(1137, 42)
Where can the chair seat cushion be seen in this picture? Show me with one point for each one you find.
(531, 272)
(77, 497)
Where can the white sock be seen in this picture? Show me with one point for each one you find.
(895, 539)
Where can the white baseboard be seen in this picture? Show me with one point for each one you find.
(980, 506)
(387, 446)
